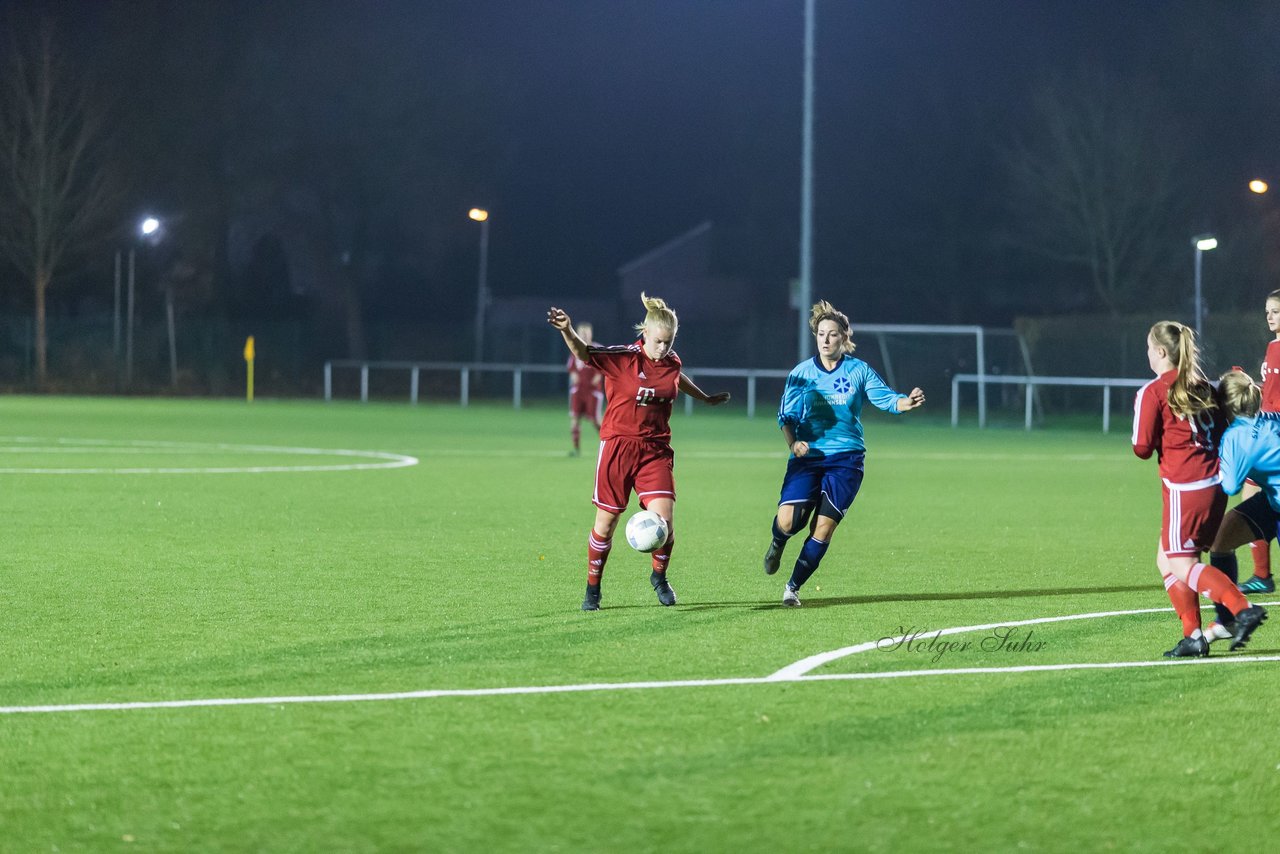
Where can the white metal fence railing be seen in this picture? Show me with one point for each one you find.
(1104, 383)
(466, 370)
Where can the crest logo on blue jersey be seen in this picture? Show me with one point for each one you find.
(842, 385)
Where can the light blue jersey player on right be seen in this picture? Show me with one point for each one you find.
(820, 421)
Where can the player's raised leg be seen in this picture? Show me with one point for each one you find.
(791, 519)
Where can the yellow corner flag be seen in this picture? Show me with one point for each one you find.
(248, 358)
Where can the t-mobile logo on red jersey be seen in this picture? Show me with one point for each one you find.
(645, 396)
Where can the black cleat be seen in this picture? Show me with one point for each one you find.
(592, 600)
(773, 557)
(1246, 621)
(666, 595)
(1189, 648)
(1259, 585)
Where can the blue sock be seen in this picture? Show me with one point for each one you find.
(779, 536)
(807, 563)
(1225, 561)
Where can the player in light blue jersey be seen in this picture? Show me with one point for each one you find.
(820, 422)
(1249, 449)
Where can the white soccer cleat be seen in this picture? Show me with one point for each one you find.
(1217, 632)
(789, 597)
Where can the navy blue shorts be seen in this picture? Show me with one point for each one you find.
(1257, 511)
(810, 478)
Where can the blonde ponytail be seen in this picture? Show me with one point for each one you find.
(1238, 395)
(658, 313)
(1190, 393)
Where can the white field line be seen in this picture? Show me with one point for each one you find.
(804, 665)
(28, 444)
(940, 456)
(791, 674)
(617, 686)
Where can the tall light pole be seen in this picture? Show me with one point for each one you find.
(152, 231)
(1203, 243)
(481, 216)
(804, 292)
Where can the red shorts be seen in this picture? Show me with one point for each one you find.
(586, 405)
(1191, 518)
(633, 464)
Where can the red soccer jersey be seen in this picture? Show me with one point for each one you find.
(1187, 447)
(640, 392)
(582, 378)
(1271, 378)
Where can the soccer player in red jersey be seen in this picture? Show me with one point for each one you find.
(1262, 582)
(1176, 418)
(641, 381)
(585, 392)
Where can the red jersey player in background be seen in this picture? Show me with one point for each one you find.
(641, 381)
(1262, 582)
(585, 392)
(1176, 417)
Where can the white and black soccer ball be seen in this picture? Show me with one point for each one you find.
(647, 531)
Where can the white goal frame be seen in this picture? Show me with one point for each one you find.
(880, 330)
(1104, 383)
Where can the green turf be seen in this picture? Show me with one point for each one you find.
(466, 572)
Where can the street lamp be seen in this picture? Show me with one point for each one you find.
(1259, 186)
(1202, 243)
(481, 216)
(804, 289)
(149, 228)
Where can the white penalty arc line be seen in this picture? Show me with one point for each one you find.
(804, 665)
(795, 673)
(27, 444)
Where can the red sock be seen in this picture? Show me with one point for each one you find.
(1185, 604)
(1261, 550)
(597, 554)
(662, 555)
(1210, 581)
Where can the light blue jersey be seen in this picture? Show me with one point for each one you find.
(1251, 449)
(824, 407)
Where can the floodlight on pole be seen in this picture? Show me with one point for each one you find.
(804, 284)
(481, 216)
(1259, 186)
(1202, 243)
(149, 226)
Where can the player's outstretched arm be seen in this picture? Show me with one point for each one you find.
(560, 319)
(911, 401)
(690, 388)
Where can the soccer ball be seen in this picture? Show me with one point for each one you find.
(647, 531)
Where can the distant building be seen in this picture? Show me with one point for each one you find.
(690, 272)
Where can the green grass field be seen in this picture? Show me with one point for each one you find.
(466, 571)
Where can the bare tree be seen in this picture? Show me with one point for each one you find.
(1097, 184)
(54, 192)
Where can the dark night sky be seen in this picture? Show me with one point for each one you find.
(638, 120)
(609, 126)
